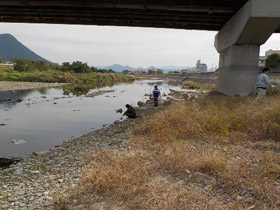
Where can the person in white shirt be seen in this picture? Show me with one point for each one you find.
(262, 83)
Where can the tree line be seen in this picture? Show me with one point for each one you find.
(24, 65)
(273, 60)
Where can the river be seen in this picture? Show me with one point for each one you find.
(47, 117)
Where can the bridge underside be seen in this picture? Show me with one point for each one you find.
(243, 25)
(180, 14)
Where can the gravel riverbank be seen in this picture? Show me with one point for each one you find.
(34, 182)
(6, 85)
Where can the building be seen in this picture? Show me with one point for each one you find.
(200, 67)
(263, 58)
(269, 52)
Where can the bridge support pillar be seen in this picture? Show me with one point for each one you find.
(238, 69)
(238, 43)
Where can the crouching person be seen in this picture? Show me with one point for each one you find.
(130, 112)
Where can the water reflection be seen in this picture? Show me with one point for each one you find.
(46, 116)
(77, 90)
(8, 99)
(84, 89)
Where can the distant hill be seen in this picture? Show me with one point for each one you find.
(117, 68)
(151, 67)
(120, 68)
(11, 48)
(173, 68)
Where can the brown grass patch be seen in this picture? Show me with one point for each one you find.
(6, 67)
(132, 179)
(199, 86)
(222, 154)
(229, 118)
(206, 159)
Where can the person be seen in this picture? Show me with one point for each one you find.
(156, 94)
(130, 112)
(262, 83)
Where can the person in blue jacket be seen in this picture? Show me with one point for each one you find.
(156, 94)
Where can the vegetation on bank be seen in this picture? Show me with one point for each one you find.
(76, 72)
(64, 77)
(6, 67)
(273, 60)
(198, 86)
(220, 153)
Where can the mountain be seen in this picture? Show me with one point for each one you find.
(151, 67)
(120, 68)
(11, 48)
(117, 67)
(172, 68)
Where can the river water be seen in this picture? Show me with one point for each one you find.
(47, 117)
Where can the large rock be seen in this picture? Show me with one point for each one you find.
(18, 141)
(140, 103)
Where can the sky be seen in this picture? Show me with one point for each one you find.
(107, 45)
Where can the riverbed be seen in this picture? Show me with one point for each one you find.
(41, 119)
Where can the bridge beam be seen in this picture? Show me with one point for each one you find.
(238, 43)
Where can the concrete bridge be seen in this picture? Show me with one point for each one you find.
(243, 25)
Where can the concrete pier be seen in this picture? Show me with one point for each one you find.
(238, 43)
(238, 69)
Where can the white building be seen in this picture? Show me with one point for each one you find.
(200, 67)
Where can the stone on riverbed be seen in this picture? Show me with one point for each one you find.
(18, 141)
(40, 152)
(140, 103)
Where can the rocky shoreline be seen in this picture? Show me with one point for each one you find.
(9, 86)
(34, 182)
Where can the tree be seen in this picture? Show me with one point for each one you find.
(66, 66)
(273, 60)
(80, 67)
(22, 65)
(159, 71)
(125, 71)
(76, 66)
(93, 69)
(151, 71)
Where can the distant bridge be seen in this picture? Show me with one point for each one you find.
(243, 25)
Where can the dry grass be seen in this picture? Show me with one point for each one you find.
(222, 154)
(6, 68)
(195, 85)
(229, 118)
(134, 180)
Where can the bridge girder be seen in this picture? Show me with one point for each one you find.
(180, 14)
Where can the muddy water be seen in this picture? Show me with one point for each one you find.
(46, 117)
